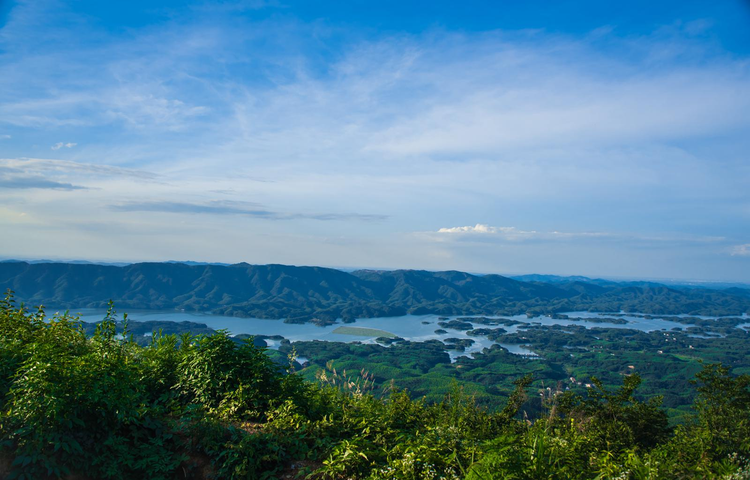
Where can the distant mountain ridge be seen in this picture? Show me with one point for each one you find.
(301, 294)
(679, 284)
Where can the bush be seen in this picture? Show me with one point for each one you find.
(214, 407)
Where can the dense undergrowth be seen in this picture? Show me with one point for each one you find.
(74, 406)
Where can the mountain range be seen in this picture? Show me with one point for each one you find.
(301, 294)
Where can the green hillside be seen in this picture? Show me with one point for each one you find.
(302, 294)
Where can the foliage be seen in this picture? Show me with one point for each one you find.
(209, 406)
(723, 404)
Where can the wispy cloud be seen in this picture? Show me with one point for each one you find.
(592, 134)
(236, 5)
(5, 137)
(60, 145)
(482, 231)
(35, 183)
(67, 167)
(741, 250)
(36, 173)
(214, 207)
(440, 94)
(247, 209)
(513, 233)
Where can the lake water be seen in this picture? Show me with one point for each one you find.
(410, 327)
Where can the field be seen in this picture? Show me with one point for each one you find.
(363, 332)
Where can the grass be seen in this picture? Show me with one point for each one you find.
(363, 332)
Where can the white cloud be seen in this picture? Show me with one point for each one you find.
(481, 230)
(5, 137)
(740, 250)
(512, 233)
(60, 145)
(478, 228)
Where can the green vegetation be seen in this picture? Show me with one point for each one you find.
(324, 296)
(568, 357)
(209, 406)
(363, 332)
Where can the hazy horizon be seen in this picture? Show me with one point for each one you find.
(665, 280)
(577, 138)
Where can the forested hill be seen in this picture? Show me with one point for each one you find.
(306, 293)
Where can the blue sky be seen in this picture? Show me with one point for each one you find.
(508, 137)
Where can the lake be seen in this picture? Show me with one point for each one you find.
(415, 328)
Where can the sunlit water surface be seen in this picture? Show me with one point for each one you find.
(415, 328)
